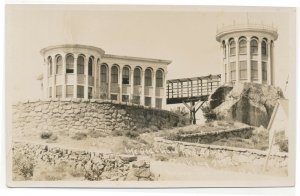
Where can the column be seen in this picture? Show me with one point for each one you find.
(109, 80)
(248, 60)
(237, 68)
(86, 76)
(64, 67)
(227, 61)
(120, 83)
(53, 76)
(269, 68)
(95, 78)
(164, 99)
(259, 62)
(75, 76)
(154, 89)
(45, 78)
(223, 62)
(131, 84)
(143, 88)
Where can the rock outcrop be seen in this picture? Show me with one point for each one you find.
(248, 103)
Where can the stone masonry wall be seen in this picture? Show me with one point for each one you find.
(250, 160)
(209, 137)
(93, 165)
(73, 115)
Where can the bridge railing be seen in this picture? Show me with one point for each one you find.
(192, 87)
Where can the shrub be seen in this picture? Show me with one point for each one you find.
(161, 158)
(79, 136)
(23, 166)
(131, 134)
(96, 134)
(170, 148)
(46, 134)
(117, 133)
(283, 145)
(209, 114)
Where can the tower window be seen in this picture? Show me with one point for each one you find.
(254, 71)
(137, 76)
(125, 75)
(159, 78)
(59, 65)
(233, 71)
(254, 46)
(243, 46)
(264, 71)
(232, 47)
(114, 74)
(148, 77)
(243, 70)
(70, 64)
(80, 65)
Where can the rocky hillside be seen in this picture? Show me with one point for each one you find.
(248, 103)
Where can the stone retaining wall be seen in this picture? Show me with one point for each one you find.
(209, 137)
(73, 115)
(225, 157)
(92, 165)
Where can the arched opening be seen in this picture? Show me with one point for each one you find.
(264, 48)
(159, 78)
(243, 46)
(232, 47)
(90, 66)
(137, 76)
(254, 47)
(148, 77)
(224, 49)
(103, 73)
(69, 64)
(80, 65)
(50, 66)
(59, 65)
(114, 74)
(125, 75)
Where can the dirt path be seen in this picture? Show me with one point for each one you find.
(205, 176)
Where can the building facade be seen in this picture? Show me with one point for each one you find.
(247, 53)
(80, 71)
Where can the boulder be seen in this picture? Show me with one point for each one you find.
(249, 103)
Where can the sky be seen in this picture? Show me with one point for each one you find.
(184, 35)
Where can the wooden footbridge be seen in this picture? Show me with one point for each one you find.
(192, 92)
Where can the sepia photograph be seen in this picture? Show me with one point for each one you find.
(150, 96)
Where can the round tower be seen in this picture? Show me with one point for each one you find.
(247, 53)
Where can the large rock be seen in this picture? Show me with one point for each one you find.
(248, 103)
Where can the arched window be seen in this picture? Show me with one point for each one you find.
(137, 76)
(114, 74)
(254, 46)
(80, 65)
(125, 75)
(59, 65)
(148, 77)
(224, 49)
(243, 46)
(50, 66)
(70, 64)
(159, 78)
(90, 67)
(103, 73)
(264, 48)
(232, 47)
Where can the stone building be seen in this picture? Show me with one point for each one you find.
(80, 71)
(247, 53)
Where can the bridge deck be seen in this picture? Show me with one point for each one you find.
(191, 89)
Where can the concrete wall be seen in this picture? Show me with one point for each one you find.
(247, 160)
(93, 165)
(73, 115)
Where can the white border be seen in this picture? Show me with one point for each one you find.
(211, 192)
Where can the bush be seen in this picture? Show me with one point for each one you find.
(23, 166)
(96, 134)
(46, 134)
(131, 134)
(209, 114)
(161, 158)
(79, 136)
(283, 145)
(170, 148)
(117, 133)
